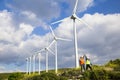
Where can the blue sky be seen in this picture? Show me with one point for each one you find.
(24, 30)
(105, 7)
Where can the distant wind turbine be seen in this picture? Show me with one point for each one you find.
(74, 17)
(39, 56)
(27, 65)
(47, 49)
(55, 39)
(33, 61)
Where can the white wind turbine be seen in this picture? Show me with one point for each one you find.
(74, 17)
(47, 49)
(39, 60)
(30, 64)
(39, 56)
(55, 39)
(33, 61)
(27, 65)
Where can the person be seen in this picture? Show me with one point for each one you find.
(82, 64)
(88, 64)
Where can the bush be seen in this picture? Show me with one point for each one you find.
(114, 75)
(16, 76)
(101, 75)
(95, 75)
(115, 64)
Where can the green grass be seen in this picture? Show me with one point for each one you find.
(4, 76)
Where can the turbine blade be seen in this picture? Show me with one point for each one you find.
(41, 50)
(75, 8)
(51, 43)
(52, 31)
(84, 22)
(60, 21)
(64, 39)
(51, 51)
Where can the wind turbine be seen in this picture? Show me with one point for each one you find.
(47, 49)
(74, 17)
(27, 65)
(39, 62)
(55, 39)
(33, 60)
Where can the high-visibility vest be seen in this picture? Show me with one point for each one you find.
(82, 61)
(88, 62)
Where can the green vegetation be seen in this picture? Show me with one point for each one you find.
(47, 76)
(109, 71)
(4, 76)
(16, 76)
(115, 64)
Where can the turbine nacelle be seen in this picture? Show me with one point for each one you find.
(26, 59)
(73, 16)
(55, 38)
(46, 48)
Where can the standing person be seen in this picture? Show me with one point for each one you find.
(88, 64)
(82, 64)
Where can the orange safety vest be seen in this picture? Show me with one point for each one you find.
(81, 61)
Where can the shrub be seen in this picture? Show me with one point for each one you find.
(114, 75)
(95, 75)
(101, 75)
(16, 76)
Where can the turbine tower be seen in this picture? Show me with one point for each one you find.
(74, 17)
(33, 60)
(27, 65)
(30, 65)
(39, 56)
(47, 49)
(55, 39)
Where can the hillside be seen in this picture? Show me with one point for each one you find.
(109, 71)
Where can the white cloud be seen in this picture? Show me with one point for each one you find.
(26, 28)
(17, 41)
(29, 14)
(46, 9)
(84, 4)
(6, 28)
